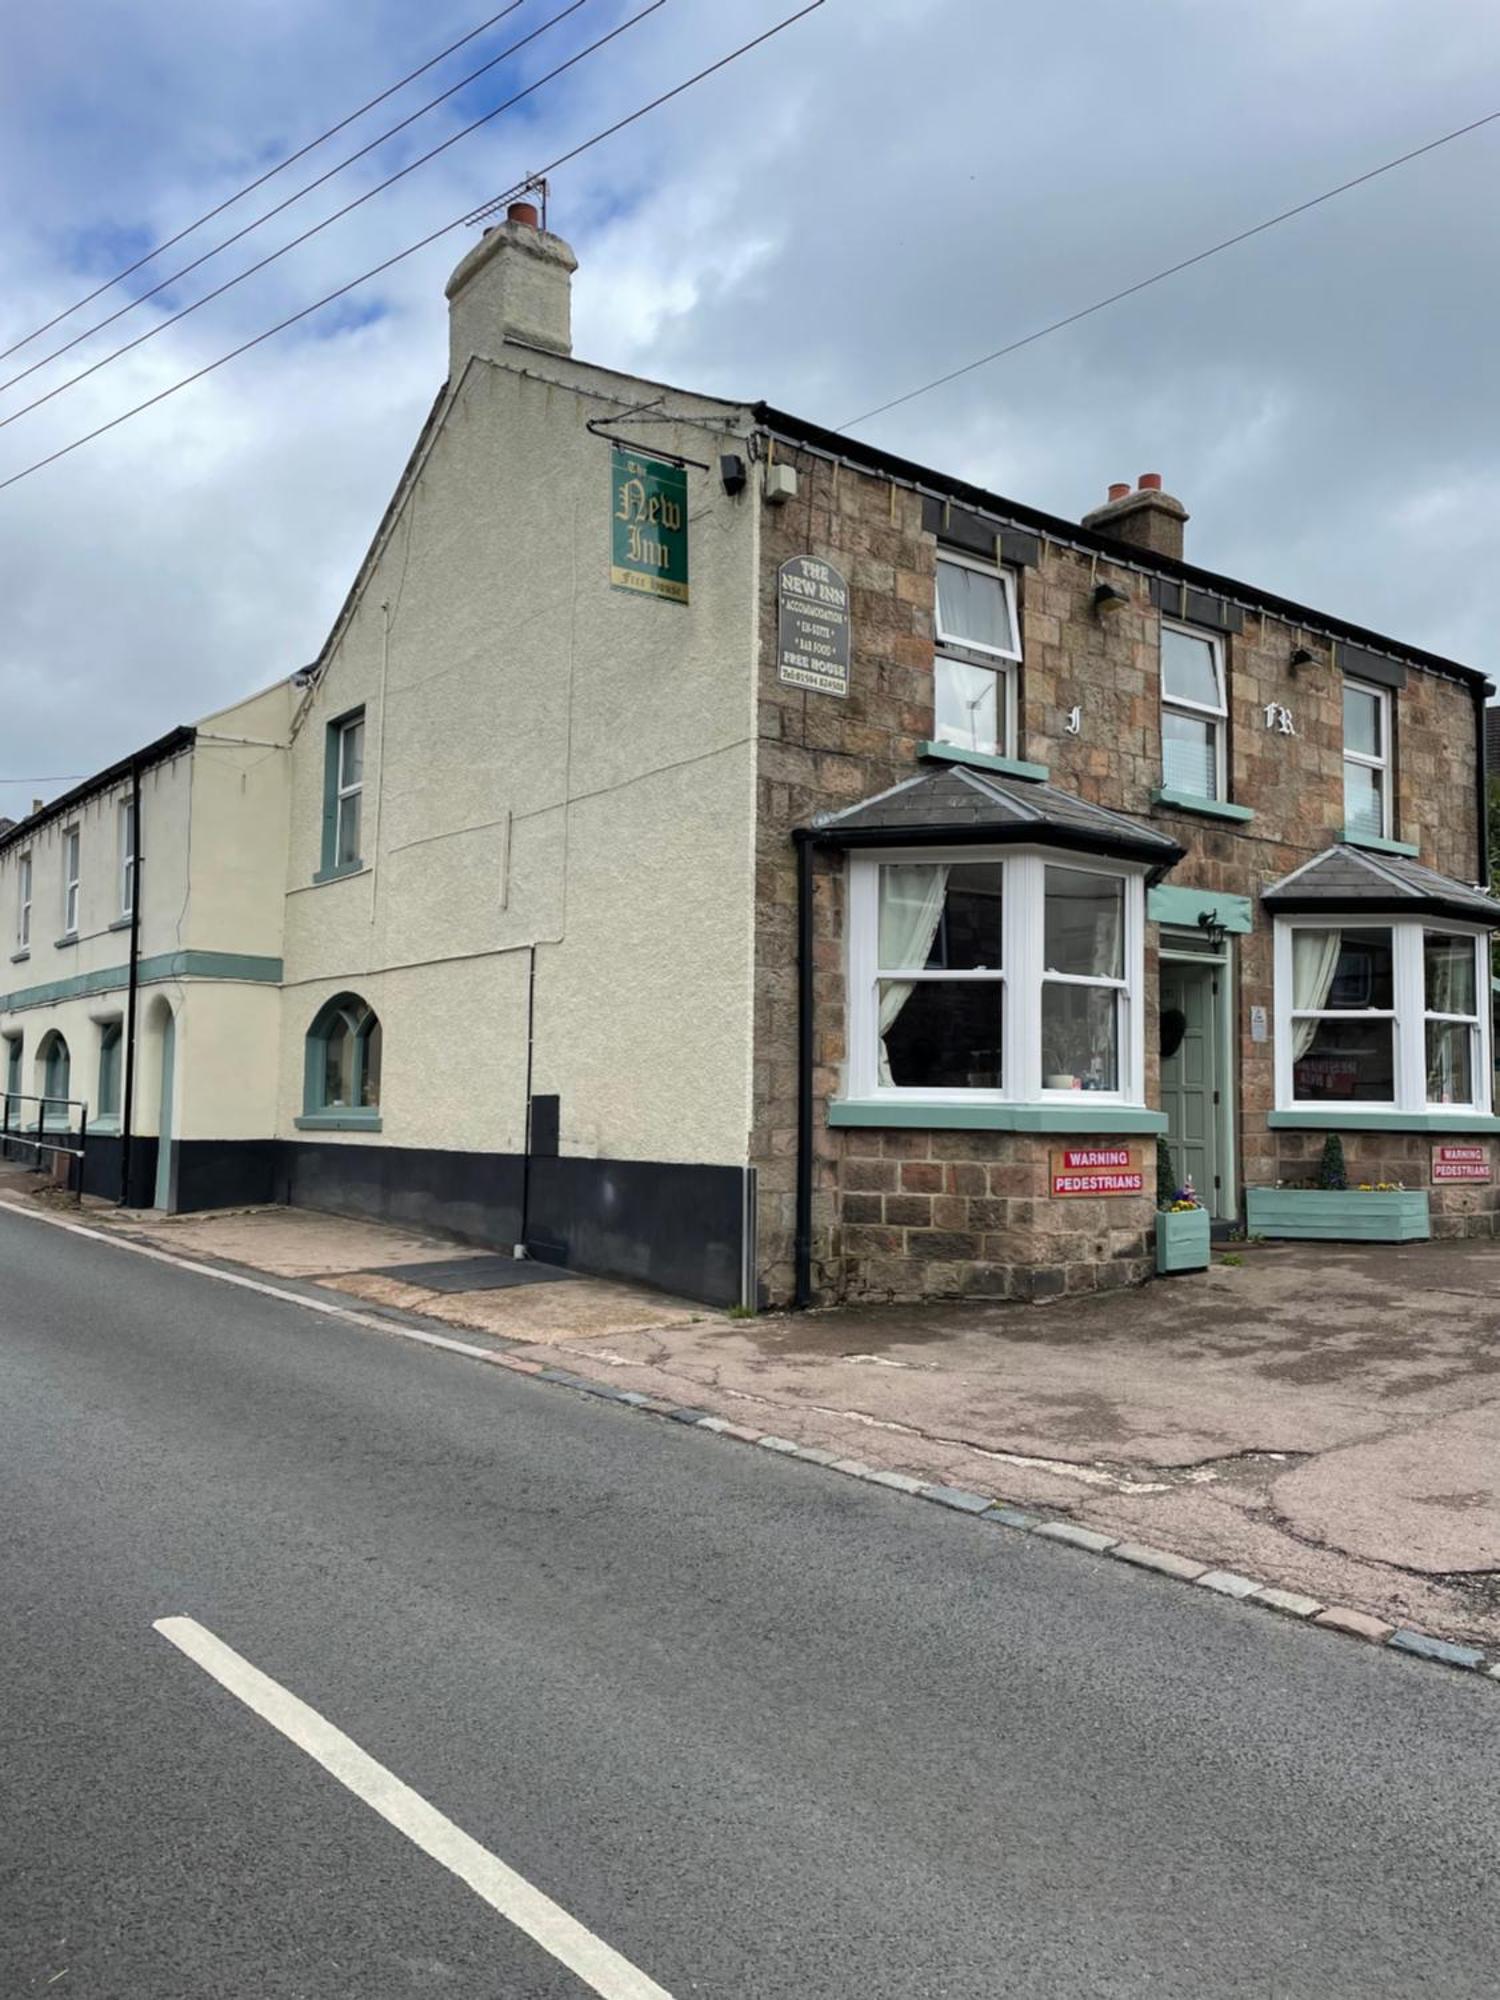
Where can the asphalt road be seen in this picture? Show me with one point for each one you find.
(761, 1729)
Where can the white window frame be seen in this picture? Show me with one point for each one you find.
(23, 901)
(343, 792)
(1021, 974)
(1219, 716)
(72, 851)
(1004, 663)
(1381, 764)
(129, 842)
(1408, 1016)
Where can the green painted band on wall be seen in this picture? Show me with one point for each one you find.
(998, 1117)
(981, 760)
(1383, 1121)
(1170, 903)
(1191, 803)
(236, 965)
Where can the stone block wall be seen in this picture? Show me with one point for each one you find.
(819, 753)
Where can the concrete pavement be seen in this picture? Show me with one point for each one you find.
(766, 1731)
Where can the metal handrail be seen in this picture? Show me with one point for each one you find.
(13, 1134)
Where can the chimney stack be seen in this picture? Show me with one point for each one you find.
(1147, 517)
(515, 284)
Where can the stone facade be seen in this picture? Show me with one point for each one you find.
(902, 1214)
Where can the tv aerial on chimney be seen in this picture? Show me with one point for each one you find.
(522, 192)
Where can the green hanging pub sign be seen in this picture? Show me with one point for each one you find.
(648, 526)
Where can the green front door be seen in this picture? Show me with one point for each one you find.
(1189, 1077)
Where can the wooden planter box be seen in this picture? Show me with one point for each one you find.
(1339, 1215)
(1181, 1240)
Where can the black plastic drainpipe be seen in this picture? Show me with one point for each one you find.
(127, 1103)
(802, 1292)
(1479, 689)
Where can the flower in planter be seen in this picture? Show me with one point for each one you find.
(1185, 1198)
(1381, 1187)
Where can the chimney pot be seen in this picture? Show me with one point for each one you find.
(1147, 518)
(523, 211)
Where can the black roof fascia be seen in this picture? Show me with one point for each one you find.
(154, 753)
(967, 834)
(837, 445)
(1349, 909)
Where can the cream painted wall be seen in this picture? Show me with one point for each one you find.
(214, 843)
(548, 761)
(239, 826)
(166, 791)
(466, 1087)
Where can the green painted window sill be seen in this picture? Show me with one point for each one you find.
(1333, 1120)
(998, 1117)
(981, 760)
(105, 1126)
(338, 1121)
(339, 870)
(20, 957)
(1378, 844)
(1191, 803)
(121, 924)
(65, 943)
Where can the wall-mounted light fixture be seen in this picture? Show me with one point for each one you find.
(1212, 929)
(732, 472)
(1301, 657)
(1109, 598)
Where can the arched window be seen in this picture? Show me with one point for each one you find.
(55, 1074)
(342, 1073)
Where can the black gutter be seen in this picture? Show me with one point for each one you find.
(170, 745)
(1015, 512)
(1481, 768)
(1158, 853)
(802, 1255)
(127, 1103)
(1456, 907)
(526, 1155)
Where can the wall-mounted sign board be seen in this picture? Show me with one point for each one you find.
(812, 626)
(648, 526)
(1460, 1163)
(1095, 1170)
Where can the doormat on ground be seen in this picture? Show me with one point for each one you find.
(473, 1274)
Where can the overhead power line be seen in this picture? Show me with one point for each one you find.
(371, 146)
(280, 166)
(329, 298)
(161, 326)
(1171, 271)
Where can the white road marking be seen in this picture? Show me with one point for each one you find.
(325, 1306)
(597, 1964)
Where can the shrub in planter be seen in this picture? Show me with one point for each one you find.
(1181, 1220)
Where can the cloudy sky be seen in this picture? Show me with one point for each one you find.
(888, 190)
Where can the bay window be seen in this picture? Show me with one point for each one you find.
(1193, 713)
(1381, 1013)
(978, 652)
(981, 974)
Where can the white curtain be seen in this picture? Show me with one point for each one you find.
(911, 907)
(1315, 958)
(1449, 974)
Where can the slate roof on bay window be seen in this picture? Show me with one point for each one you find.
(957, 806)
(1349, 878)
